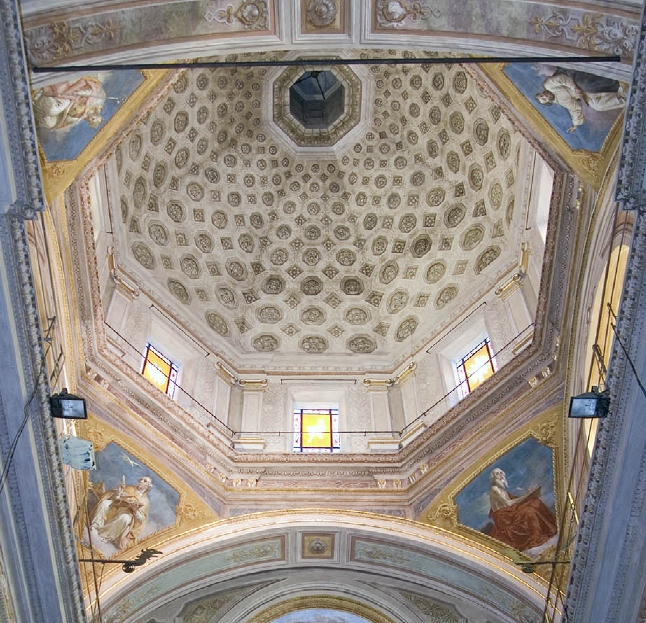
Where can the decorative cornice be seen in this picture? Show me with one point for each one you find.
(23, 211)
(510, 286)
(610, 451)
(44, 433)
(632, 163)
(21, 299)
(401, 378)
(21, 133)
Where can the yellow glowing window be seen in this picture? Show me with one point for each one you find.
(160, 371)
(316, 430)
(475, 367)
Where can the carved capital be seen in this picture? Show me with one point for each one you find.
(23, 211)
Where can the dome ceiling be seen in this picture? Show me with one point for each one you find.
(369, 249)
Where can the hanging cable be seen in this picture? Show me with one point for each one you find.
(630, 361)
(330, 62)
(14, 443)
(197, 402)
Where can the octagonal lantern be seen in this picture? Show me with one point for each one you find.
(316, 99)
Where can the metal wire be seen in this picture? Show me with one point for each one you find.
(327, 62)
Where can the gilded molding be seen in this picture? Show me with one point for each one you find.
(513, 283)
(320, 601)
(590, 166)
(378, 383)
(546, 429)
(400, 379)
(257, 384)
(122, 285)
(59, 175)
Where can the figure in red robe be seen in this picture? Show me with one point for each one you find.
(523, 522)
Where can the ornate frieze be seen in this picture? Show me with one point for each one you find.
(592, 31)
(322, 13)
(252, 14)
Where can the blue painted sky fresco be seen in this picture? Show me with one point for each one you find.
(115, 464)
(68, 143)
(320, 615)
(527, 465)
(528, 79)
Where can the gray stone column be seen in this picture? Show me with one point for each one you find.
(608, 576)
(40, 573)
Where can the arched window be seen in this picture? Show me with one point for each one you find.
(608, 293)
(160, 371)
(475, 367)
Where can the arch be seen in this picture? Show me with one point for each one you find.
(349, 555)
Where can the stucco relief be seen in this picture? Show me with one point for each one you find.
(59, 40)
(274, 404)
(593, 31)
(501, 329)
(435, 611)
(252, 14)
(359, 405)
(322, 13)
(326, 251)
(395, 13)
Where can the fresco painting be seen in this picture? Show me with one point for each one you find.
(582, 107)
(126, 502)
(320, 615)
(513, 499)
(70, 114)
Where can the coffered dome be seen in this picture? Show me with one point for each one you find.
(277, 257)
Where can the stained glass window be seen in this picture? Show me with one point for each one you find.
(475, 367)
(160, 371)
(316, 429)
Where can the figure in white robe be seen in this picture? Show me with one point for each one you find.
(572, 89)
(121, 513)
(63, 105)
